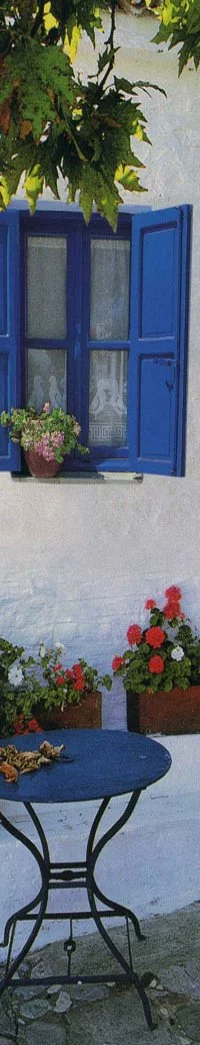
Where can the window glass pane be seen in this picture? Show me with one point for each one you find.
(109, 289)
(46, 286)
(47, 377)
(108, 398)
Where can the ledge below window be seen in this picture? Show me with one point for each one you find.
(89, 477)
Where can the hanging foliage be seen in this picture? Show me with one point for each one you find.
(180, 24)
(51, 121)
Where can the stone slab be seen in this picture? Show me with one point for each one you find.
(189, 1020)
(168, 962)
(45, 1032)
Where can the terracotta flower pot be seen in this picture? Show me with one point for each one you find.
(168, 713)
(86, 715)
(40, 468)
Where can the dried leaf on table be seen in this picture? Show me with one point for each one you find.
(9, 772)
(13, 761)
(50, 751)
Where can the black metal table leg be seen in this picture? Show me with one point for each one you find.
(93, 852)
(80, 874)
(41, 898)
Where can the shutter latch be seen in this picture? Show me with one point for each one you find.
(175, 367)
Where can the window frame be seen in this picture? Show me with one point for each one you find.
(77, 343)
(147, 396)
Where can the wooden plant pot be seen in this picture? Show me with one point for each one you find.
(40, 468)
(168, 713)
(87, 715)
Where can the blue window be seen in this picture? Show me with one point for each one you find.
(97, 323)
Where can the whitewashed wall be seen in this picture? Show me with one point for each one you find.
(79, 557)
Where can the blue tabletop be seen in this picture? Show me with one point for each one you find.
(105, 763)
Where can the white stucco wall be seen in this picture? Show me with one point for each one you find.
(77, 557)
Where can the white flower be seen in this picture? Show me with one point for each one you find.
(59, 646)
(15, 675)
(177, 653)
(42, 650)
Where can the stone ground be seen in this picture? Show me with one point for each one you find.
(95, 1014)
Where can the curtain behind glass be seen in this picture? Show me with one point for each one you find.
(108, 398)
(47, 378)
(109, 290)
(46, 286)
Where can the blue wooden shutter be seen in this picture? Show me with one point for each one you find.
(9, 331)
(159, 320)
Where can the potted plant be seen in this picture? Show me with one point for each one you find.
(161, 670)
(71, 696)
(41, 693)
(46, 437)
(19, 688)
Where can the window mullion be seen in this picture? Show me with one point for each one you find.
(77, 295)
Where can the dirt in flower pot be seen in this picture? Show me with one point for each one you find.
(86, 715)
(39, 467)
(175, 713)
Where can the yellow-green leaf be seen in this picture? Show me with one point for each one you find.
(71, 46)
(48, 18)
(33, 185)
(4, 193)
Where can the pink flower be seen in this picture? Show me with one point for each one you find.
(43, 449)
(46, 409)
(57, 438)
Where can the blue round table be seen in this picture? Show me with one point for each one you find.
(94, 764)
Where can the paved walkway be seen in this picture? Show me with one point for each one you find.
(169, 961)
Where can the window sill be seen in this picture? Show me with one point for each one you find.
(89, 477)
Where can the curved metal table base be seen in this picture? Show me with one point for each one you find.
(67, 876)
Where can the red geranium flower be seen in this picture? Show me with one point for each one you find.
(18, 724)
(60, 680)
(69, 673)
(156, 665)
(33, 726)
(134, 634)
(149, 604)
(173, 593)
(79, 685)
(172, 609)
(117, 663)
(155, 637)
(78, 671)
